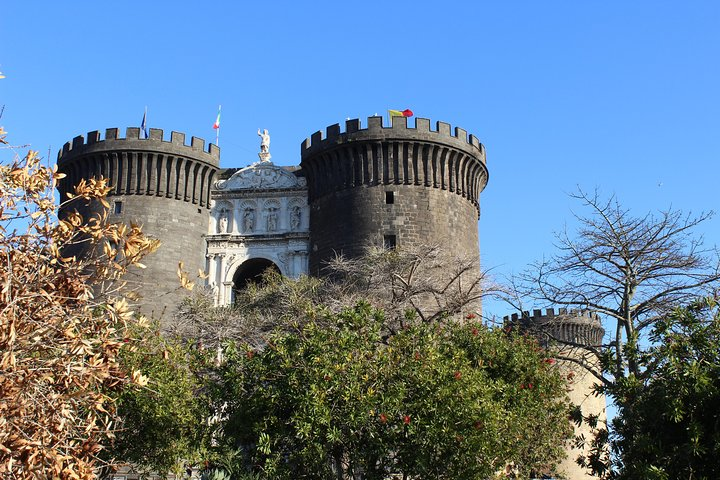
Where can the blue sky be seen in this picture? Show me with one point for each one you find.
(623, 96)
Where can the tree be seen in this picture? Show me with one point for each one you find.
(163, 427)
(417, 291)
(430, 401)
(60, 344)
(633, 271)
(668, 425)
(427, 280)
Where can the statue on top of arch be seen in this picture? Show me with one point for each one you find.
(264, 145)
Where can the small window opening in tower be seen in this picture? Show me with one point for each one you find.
(389, 242)
(117, 207)
(389, 198)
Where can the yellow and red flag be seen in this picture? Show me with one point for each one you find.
(401, 113)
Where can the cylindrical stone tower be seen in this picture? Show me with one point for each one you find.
(569, 334)
(392, 186)
(162, 185)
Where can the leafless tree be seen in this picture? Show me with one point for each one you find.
(428, 280)
(631, 270)
(425, 283)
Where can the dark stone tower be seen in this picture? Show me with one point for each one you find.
(394, 186)
(162, 185)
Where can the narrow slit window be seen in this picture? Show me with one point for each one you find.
(117, 207)
(389, 198)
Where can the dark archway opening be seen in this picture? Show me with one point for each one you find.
(251, 271)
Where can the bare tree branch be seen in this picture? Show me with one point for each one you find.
(631, 270)
(425, 283)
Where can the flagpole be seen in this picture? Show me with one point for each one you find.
(217, 132)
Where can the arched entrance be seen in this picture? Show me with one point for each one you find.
(251, 271)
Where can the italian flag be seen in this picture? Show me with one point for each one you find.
(216, 125)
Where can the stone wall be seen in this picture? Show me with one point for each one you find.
(348, 221)
(393, 185)
(180, 227)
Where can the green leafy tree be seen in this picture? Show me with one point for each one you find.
(668, 425)
(163, 425)
(430, 401)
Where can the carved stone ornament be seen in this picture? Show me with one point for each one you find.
(284, 257)
(230, 260)
(261, 175)
(295, 217)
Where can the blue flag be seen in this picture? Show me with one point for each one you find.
(143, 126)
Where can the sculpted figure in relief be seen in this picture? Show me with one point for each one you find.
(249, 220)
(264, 141)
(295, 214)
(223, 222)
(272, 219)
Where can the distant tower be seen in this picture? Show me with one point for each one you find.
(394, 186)
(162, 185)
(557, 332)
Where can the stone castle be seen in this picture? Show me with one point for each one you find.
(392, 185)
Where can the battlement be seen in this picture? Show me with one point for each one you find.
(398, 130)
(572, 315)
(394, 155)
(149, 166)
(132, 141)
(567, 325)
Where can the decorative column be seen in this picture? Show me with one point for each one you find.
(213, 280)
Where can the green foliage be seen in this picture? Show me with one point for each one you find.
(669, 425)
(259, 309)
(215, 474)
(163, 425)
(455, 401)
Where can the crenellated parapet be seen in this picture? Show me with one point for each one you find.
(398, 130)
(142, 166)
(579, 327)
(443, 158)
